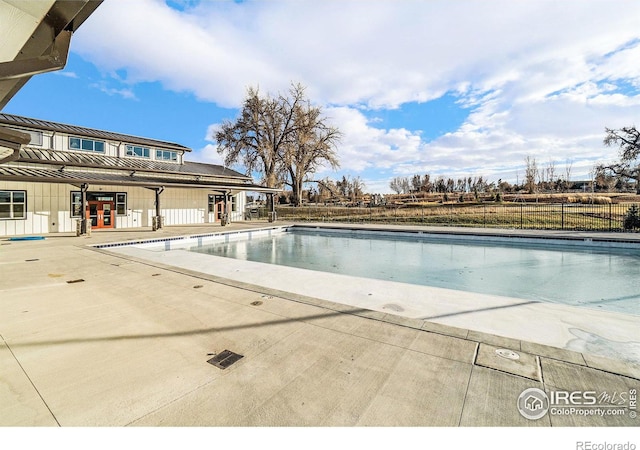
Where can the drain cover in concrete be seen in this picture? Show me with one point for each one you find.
(224, 359)
(510, 361)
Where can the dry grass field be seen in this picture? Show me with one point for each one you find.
(601, 214)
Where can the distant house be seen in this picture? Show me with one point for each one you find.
(62, 174)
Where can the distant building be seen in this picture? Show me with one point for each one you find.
(62, 174)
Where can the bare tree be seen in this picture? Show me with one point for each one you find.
(400, 185)
(566, 182)
(356, 189)
(530, 174)
(416, 183)
(427, 185)
(628, 141)
(551, 172)
(326, 189)
(603, 179)
(282, 138)
(256, 139)
(312, 145)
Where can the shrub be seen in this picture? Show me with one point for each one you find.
(632, 218)
(595, 200)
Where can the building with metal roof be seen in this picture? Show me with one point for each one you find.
(57, 177)
(64, 175)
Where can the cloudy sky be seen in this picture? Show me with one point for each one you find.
(445, 87)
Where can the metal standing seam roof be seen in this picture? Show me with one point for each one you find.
(39, 174)
(97, 161)
(112, 170)
(43, 125)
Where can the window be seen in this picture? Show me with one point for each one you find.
(121, 204)
(233, 203)
(88, 145)
(36, 136)
(76, 204)
(13, 204)
(165, 155)
(138, 152)
(212, 203)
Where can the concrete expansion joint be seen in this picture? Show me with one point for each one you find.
(29, 378)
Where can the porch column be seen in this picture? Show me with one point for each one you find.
(157, 219)
(226, 215)
(84, 187)
(272, 214)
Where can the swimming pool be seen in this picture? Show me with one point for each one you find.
(539, 270)
(604, 324)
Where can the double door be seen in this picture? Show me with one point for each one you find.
(101, 213)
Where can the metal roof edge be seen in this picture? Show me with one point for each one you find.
(46, 125)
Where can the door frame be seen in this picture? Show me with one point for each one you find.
(99, 216)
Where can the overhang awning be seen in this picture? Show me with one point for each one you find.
(75, 177)
(35, 38)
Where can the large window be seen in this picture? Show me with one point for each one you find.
(13, 204)
(121, 203)
(89, 145)
(138, 152)
(76, 204)
(165, 155)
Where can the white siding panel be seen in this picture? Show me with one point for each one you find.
(64, 223)
(11, 227)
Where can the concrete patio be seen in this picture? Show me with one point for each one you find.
(90, 338)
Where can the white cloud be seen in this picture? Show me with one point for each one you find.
(209, 154)
(540, 77)
(66, 73)
(126, 93)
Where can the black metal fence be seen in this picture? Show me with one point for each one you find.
(547, 216)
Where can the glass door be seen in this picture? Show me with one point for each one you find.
(93, 214)
(100, 213)
(107, 210)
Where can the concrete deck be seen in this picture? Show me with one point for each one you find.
(89, 338)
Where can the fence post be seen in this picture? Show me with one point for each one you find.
(610, 217)
(484, 215)
(521, 212)
(562, 214)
